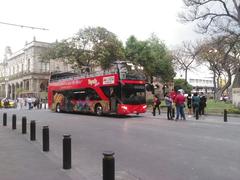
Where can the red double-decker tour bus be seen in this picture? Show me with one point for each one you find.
(119, 90)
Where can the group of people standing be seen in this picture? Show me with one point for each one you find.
(196, 104)
(176, 100)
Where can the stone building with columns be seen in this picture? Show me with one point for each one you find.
(24, 74)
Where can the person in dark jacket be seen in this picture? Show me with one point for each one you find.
(202, 104)
(195, 104)
(189, 104)
(156, 104)
(168, 102)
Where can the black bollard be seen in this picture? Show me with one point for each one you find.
(108, 165)
(225, 115)
(24, 125)
(67, 151)
(4, 119)
(32, 131)
(45, 138)
(14, 118)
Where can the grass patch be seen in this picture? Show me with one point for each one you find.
(219, 106)
(212, 107)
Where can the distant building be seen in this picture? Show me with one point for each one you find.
(23, 73)
(202, 84)
(200, 79)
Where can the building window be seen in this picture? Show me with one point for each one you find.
(27, 85)
(46, 67)
(28, 65)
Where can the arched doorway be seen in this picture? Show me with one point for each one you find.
(43, 87)
(27, 85)
(9, 91)
(13, 91)
(18, 90)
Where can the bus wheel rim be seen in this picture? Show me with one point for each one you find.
(58, 108)
(99, 110)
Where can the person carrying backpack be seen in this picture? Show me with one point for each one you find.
(156, 104)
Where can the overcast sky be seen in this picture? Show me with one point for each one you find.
(65, 18)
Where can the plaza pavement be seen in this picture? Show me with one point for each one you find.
(22, 159)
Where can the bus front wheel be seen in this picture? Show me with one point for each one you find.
(58, 108)
(98, 110)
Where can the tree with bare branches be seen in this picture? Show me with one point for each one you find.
(213, 16)
(221, 20)
(222, 56)
(184, 57)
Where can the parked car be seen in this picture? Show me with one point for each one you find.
(8, 103)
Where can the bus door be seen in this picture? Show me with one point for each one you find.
(113, 99)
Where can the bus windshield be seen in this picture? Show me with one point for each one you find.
(133, 94)
(130, 71)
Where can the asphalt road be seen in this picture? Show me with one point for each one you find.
(146, 147)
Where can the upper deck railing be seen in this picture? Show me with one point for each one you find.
(123, 69)
(71, 75)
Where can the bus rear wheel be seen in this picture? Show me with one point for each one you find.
(98, 110)
(58, 108)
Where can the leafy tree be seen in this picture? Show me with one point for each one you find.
(182, 84)
(153, 55)
(90, 46)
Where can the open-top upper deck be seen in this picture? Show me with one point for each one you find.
(124, 70)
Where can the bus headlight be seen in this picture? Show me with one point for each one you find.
(145, 106)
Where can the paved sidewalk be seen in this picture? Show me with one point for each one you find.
(231, 118)
(22, 159)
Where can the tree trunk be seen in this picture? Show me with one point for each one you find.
(214, 84)
(186, 75)
(228, 83)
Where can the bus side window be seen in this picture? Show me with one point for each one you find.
(93, 95)
(78, 95)
(106, 91)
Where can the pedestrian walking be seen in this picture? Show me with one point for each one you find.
(168, 102)
(29, 101)
(180, 104)
(156, 104)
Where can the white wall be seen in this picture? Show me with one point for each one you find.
(236, 96)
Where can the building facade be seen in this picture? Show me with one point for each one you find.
(24, 74)
(200, 78)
